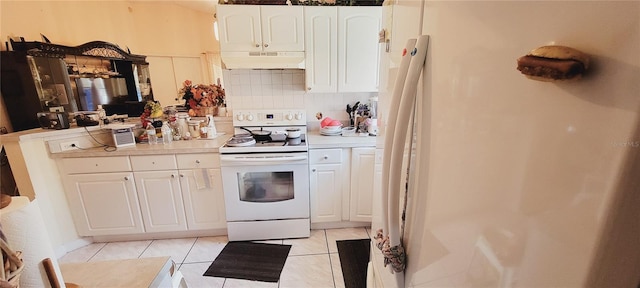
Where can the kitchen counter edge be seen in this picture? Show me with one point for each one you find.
(317, 141)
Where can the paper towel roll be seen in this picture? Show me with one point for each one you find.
(24, 228)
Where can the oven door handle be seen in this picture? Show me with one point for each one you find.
(262, 160)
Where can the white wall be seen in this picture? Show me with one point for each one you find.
(160, 30)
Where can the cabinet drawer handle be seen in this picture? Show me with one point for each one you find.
(257, 45)
(266, 45)
(325, 157)
(126, 178)
(313, 170)
(153, 162)
(198, 161)
(181, 175)
(173, 176)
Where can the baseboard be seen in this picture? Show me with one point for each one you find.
(162, 235)
(73, 245)
(336, 225)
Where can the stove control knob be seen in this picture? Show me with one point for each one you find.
(250, 117)
(289, 116)
(298, 116)
(240, 117)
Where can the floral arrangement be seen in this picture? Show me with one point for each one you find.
(201, 95)
(152, 110)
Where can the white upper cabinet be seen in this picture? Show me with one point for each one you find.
(257, 28)
(239, 28)
(321, 53)
(282, 28)
(342, 49)
(358, 48)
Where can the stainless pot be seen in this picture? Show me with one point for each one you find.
(293, 132)
(259, 135)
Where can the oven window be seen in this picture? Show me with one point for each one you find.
(265, 186)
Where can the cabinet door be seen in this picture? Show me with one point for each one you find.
(203, 198)
(104, 203)
(325, 182)
(160, 201)
(239, 27)
(282, 28)
(362, 181)
(321, 52)
(358, 48)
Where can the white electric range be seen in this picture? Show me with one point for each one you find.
(265, 172)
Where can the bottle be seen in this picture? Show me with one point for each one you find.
(102, 115)
(151, 134)
(167, 135)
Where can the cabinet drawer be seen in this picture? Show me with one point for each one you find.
(96, 164)
(153, 162)
(195, 161)
(325, 156)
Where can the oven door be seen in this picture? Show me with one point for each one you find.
(266, 186)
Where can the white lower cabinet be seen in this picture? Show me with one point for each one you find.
(122, 195)
(160, 201)
(104, 203)
(326, 192)
(342, 183)
(203, 198)
(362, 183)
(327, 184)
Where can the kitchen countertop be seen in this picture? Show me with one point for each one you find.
(316, 140)
(176, 147)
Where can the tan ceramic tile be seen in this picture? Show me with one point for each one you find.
(368, 231)
(206, 249)
(315, 244)
(307, 271)
(192, 273)
(338, 278)
(177, 249)
(82, 254)
(344, 234)
(121, 250)
(276, 241)
(240, 283)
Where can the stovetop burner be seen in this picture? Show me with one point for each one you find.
(268, 130)
(241, 141)
(244, 142)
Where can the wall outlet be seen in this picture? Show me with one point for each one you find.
(69, 145)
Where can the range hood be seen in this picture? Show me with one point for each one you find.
(262, 60)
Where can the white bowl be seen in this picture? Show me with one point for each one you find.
(331, 128)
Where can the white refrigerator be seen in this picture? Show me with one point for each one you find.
(511, 182)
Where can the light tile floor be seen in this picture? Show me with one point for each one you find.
(312, 262)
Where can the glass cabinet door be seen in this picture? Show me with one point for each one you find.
(52, 83)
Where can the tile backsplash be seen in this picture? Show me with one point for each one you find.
(282, 89)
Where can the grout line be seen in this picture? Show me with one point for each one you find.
(313, 254)
(145, 248)
(187, 255)
(333, 276)
(94, 254)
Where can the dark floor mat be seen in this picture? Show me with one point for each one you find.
(354, 257)
(250, 261)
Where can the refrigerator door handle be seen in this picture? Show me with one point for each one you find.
(401, 109)
(390, 129)
(407, 106)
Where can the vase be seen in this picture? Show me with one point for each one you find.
(204, 111)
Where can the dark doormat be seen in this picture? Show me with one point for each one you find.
(250, 261)
(354, 257)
